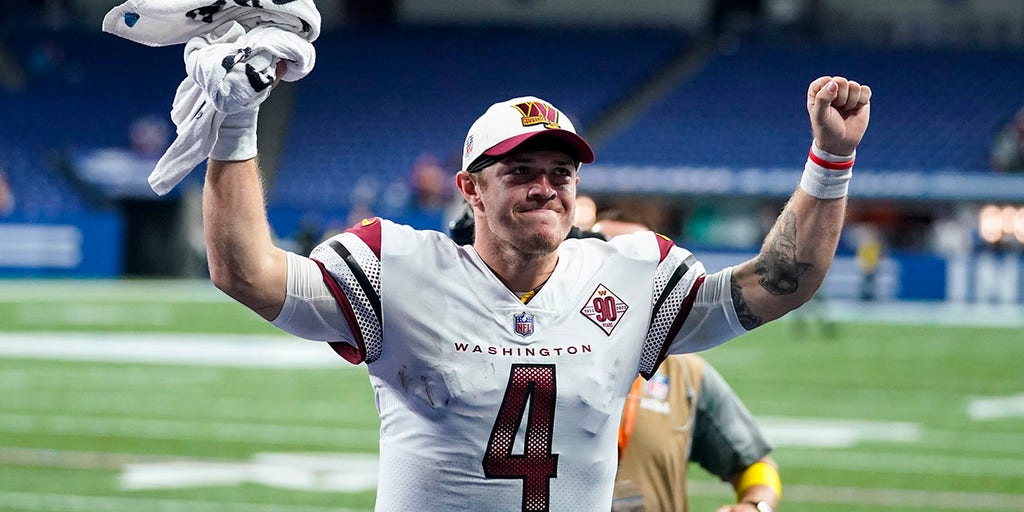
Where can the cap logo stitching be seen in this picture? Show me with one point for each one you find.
(536, 112)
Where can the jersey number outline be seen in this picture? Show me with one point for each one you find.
(532, 384)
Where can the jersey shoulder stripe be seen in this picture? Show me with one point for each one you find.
(352, 261)
(357, 354)
(676, 281)
(369, 231)
(665, 245)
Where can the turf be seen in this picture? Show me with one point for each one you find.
(70, 429)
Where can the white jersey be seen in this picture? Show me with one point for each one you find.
(487, 403)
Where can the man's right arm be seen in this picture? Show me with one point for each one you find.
(244, 262)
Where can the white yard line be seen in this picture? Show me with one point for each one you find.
(86, 290)
(190, 349)
(76, 459)
(298, 435)
(116, 399)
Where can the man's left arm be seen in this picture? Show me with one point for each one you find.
(728, 443)
(797, 253)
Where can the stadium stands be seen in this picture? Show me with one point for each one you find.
(937, 109)
(379, 99)
(69, 104)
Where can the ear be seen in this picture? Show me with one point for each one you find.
(469, 188)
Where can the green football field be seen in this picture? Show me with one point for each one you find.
(167, 396)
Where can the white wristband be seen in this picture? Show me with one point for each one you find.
(827, 176)
(236, 137)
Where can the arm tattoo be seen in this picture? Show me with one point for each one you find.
(747, 317)
(777, 264)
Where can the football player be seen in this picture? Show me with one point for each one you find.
(500, 369)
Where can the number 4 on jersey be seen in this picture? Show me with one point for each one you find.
(532, 384)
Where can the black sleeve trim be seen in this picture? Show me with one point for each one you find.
(680, 271)
(357, 271)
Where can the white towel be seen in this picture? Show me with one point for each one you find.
(230, 65)
(168, 22)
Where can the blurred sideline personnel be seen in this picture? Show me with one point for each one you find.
(462, 341)
(686, 412)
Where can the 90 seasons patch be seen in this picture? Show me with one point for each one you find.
(604, 308)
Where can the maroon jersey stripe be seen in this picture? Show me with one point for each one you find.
(369, 232)
(665, 244)
(346, 351)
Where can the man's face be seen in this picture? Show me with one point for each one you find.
(528, 199)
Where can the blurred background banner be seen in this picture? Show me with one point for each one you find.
(696, 110)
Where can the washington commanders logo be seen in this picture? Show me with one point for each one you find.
(604, 308)
(537, 112)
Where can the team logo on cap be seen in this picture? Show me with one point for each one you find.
(538, 112)
(469, 146)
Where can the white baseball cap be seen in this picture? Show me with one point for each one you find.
(506, 125)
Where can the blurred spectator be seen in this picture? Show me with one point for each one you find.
(1008, 147)
(6, 196)
(356, 214)
(432, 186)
(149, 136)
(586, 213)
(615, 222)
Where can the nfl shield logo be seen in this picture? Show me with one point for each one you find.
(524, 324)
(658, 387)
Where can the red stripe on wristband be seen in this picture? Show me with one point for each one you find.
(832, 166)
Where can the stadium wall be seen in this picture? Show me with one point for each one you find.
(87, 244)
(986, 277)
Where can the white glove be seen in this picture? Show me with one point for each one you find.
(236, 138)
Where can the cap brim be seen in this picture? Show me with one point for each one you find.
(584, 153)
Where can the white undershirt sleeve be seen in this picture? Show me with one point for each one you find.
(310, 310)
(712, 320)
